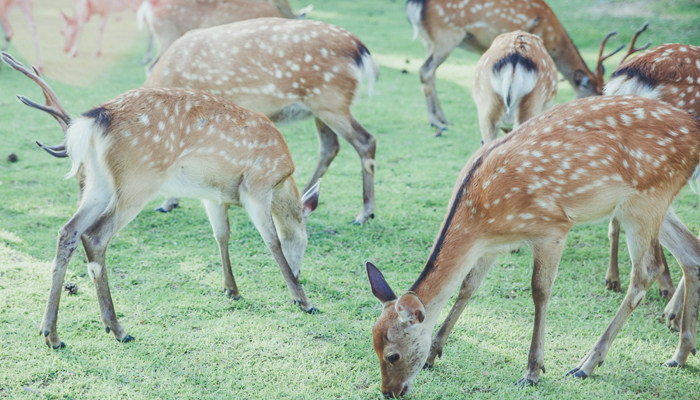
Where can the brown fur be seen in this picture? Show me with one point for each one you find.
(578, 162)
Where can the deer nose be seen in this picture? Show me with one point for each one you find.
(393, 395)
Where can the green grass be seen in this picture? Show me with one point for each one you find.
(193, 342)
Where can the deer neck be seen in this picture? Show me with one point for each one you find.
(568, 60)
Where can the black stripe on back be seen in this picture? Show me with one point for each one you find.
(636, 73)
(430, 265)
(101, 115)
(515, 58)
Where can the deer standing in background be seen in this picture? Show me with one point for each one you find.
(288, 70)
(184, 142)
(473, 25)
(515, 80)
(168, 20)
(84, 9)
(588, 159)
(26, 6)
(669, 73)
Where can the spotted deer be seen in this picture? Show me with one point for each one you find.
(473, 25)
(26, 6)
(581, 161)
(668, 73)
(170, 19)
(515, 80)
(84, 9)
(184, 142)
(288, 70)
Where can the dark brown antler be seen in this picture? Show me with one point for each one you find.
(633, 49)
(600, 70)
(53, 105)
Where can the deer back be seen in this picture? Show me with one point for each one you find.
(670, 73)
(185, 141)
(267, 64)
(478, 23)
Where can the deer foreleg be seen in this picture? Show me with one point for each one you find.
(27, 10)
(100, 32)
(612, 276)
(218, 217)
(328, 149)
(546, 255)
(427, 76)
(258, 206)
(6, 30)
(470, 284)
(686, 248)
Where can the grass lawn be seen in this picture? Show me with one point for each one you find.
(194, 342)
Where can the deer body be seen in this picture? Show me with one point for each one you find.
(669, 73)
(473, 25)
(187, 143)
(288, 70)
(515, 80)
(84, 9)
(578, 162)
(26, 6)
(168, 20)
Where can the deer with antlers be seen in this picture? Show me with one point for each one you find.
(184, 142)
(473, 25)
(668, 73)
(26, 6)
(170, 19)
(515, 80)
(288, 70)
(585, 160)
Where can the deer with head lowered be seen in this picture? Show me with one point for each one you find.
(288, 70)
(515, 80)
(473, 25)
(585, 160)
(669, 73)
(170, 19)
(26, 6)
(183, 142)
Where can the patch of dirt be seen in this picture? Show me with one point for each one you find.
(120, 37)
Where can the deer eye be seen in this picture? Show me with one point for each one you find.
(392, 358)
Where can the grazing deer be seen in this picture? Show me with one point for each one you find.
(668, 73)
(170, 19)
(581, 161)
(473, 25)
(26, 6)
(184, 142)
(84, 9)
(288, 70)
(515, 80)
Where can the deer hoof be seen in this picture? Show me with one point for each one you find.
(229, 293)
(427, 366)
(108, 329)
(580, 374)
(312, 311)
(670, 364)
(525, 382)
(126, 339)
(60, 345)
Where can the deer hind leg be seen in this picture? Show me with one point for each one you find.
(490, 116)
(218, 217)
(612, 276)
(149, 50)
(100, 32)
(666, 288)
(674, 308)
(328, 149)
(27, 10)
(365, 144)
(645, 253)
(546, 256)
(6, 29)
(437, 54)
(258, 207)
(470, 284)
(686, 249)
(68, 240)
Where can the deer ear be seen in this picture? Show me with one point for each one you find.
(309, 201)
(380, 288)
(410, 308)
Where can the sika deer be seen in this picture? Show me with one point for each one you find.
(668, 73)
(26, 6)
(445, 24)
(515, 80)
(170, 19)
(183, 142)
(288, 70)
(581, 161)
